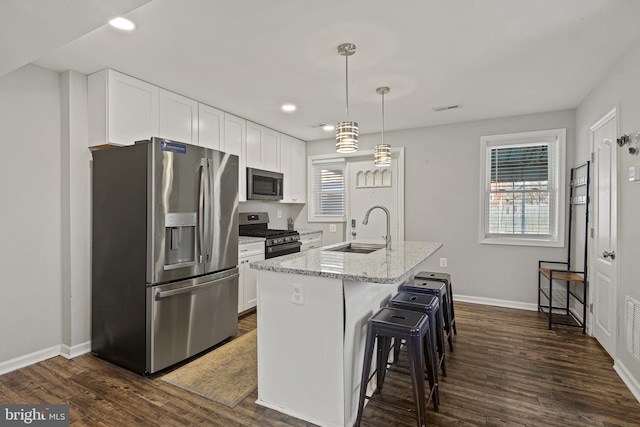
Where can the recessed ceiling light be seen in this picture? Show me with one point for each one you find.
(328, 128)
(288, 107)
(122, 24)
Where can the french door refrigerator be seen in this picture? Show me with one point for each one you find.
(164, 252)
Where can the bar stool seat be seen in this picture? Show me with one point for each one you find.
(393, 323)
(446, 278)
(430, 305)
(438, 289)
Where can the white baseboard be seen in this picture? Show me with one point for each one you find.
(44, 354)
(29, 359)
(496, 302)
(627, 378)
(76, 350)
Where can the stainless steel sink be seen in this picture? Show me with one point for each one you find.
(357, 248)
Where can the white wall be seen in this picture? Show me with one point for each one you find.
(76, 215)
(620, 88)
(442, 202)
(30, 230)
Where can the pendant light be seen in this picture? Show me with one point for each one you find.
(382, 153)
(347, 132)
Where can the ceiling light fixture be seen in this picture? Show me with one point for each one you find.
(347, 132)
(382, 153)
(288, 108)
(328, 128)
(122, 24)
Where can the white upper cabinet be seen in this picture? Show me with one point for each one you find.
(293, 165)
(178, 118)
(210, 127)
(122, 109)
(235, 142)
(263, 147)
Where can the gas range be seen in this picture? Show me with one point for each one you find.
(277, 242)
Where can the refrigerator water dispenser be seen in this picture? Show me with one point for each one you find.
(180, 240)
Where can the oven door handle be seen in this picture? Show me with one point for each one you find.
(284, 246)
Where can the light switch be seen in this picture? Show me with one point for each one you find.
(332, 228)
(634, 173)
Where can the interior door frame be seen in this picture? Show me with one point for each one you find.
(611, 114)
(396, 153)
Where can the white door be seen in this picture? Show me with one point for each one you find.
(603, 282)
(370, 186)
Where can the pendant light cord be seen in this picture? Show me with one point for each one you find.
(383, 117)
(346, 61)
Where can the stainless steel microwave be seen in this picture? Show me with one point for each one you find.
(264, 185)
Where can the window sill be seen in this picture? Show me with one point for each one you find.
(517, 241)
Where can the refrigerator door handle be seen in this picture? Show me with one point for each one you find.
(201, 209)
(190, 288)
(209, 207)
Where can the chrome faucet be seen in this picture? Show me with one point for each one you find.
(387, 238)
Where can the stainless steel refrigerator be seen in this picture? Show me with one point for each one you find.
(164, 252)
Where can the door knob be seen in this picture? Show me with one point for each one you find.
(611, 254)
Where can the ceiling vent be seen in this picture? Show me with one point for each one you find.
(447, 107)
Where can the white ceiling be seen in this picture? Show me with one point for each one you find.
(494, 57)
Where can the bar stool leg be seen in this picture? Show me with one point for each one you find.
(447, 319)
(416, 366)
(453, 314)
(366, 368)
(384, 345)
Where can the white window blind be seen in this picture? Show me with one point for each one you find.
(522, 188)
(519, 190)
(328, 190)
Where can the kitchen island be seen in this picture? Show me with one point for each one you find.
(313, 309)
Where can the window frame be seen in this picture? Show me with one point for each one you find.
(556, 139)
(312, 215)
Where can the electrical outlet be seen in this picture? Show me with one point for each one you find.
(332, 228)
(443, 262)
(279, 213)
(297, 293)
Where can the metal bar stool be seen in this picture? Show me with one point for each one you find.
(429, 305)
(446, 278)
(393, 323)
(438, 289)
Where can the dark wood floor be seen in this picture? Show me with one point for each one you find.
(507, 369)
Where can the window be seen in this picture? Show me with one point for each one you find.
(327, 192)
(523, 188)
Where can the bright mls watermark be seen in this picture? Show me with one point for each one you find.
(34, 415)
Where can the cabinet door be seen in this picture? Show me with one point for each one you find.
(235, 142)
(210, 127)
(248, 283)
(250, 292)
(263, 146)
(298, 181)
(178, 117)
(293, 164)
(121, 109)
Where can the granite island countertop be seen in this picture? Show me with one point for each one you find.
(381, 266)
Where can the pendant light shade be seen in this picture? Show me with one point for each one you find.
(347, 131)
(382, 155)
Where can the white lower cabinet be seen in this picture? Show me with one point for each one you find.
(247, 282)
(311, 241)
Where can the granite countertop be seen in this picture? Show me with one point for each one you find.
(247, 239)
(381, 266)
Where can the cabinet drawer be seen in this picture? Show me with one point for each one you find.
(250, 249)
